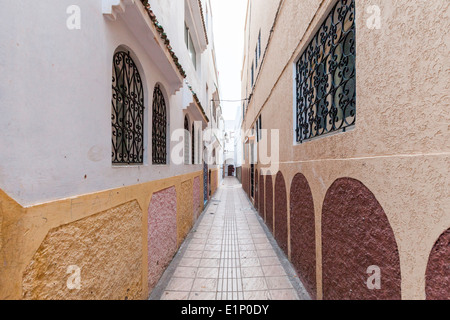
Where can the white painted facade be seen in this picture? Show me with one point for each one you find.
(55, 93)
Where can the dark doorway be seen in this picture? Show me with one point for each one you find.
(231, 171)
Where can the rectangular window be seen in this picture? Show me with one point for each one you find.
(259, 128)
(259, 44)
(326, 77)
(253, 74)
(256, 58)
(190, 45)
(186, 35)
(192, 52)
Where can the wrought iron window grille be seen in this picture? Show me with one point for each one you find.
(326, 77)
(127, 111)
(193, 144)
(159, 128)
(186, 141)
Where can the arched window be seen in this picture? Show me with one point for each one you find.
(186, 140)
(127, 111)
(159, 129)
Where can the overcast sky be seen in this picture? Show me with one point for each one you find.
(229, 19)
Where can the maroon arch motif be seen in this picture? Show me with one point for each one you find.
(261, 195)
(356, 236)
(437, 277)
(303, 235)
(269, 202)
(281, 224)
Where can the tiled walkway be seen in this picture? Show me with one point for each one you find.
(229, 255)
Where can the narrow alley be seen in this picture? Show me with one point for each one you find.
(230, 255)
(161, 150)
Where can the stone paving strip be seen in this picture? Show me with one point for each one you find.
(230, 255)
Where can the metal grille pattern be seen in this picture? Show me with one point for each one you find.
(159, 129)
(186, 141)
(325, 76)
(193, 144)
(127, 111)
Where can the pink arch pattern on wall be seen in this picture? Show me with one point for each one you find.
(357, 237)
(303, 235)
(162, 233)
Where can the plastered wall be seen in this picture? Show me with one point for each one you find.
(399, 148)
(105, 234)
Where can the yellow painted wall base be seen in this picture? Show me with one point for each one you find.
(38, 244)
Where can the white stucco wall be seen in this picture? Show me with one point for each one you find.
(55, 99)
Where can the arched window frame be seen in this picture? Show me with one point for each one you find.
(193, 143)
(128, 111)
(159, 126)
(187, 140)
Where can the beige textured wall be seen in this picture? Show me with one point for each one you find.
(94, 231)
(106, 247)
(214, 180)
(186, 215)
(400, 145)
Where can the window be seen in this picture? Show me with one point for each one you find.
(259, 44)
(190, 45)
(186, 140)
(325, 77)
(159, 128)
(193, 144)
(127, 111)
(252, 74)
(258, 50)
(258, 128)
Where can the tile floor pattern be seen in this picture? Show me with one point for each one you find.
(228, 256)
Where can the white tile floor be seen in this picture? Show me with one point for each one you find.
(229, 256)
